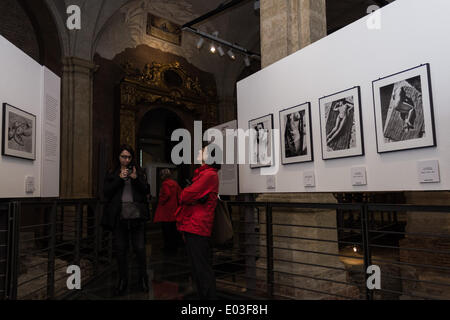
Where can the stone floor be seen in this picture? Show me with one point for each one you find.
(169, 279)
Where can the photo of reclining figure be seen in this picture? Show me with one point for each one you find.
(340, 124)
(402, 110)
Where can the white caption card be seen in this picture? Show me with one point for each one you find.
(359, 176)
(429, 171)
(309, 179)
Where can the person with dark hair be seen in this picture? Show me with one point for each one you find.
(126, 189)
(168, 200)
(195, 218)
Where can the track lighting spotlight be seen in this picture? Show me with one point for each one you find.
(231, 55)
(247, 61)
(221, 52)
(213, 48)
(200, 43)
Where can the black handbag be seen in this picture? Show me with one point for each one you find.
(222, 231)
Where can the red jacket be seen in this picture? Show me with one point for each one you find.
(195, 217)
(168, 201)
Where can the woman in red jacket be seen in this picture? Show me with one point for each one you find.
(165, 212)
(195, 219)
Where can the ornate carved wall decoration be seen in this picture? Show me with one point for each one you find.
(163, 84)
(127, 127)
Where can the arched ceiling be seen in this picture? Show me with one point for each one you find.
(239, 24)
(97, 14)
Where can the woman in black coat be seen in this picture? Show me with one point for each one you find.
(126, 190)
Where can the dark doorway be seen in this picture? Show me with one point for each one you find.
(155, 147)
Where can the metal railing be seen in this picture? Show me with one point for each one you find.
(279, 250)
(299, 251)
(42, 238)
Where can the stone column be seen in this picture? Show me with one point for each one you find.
(295, 261)
(76, 128)
(286, 27)
(421, 228)
(290, 25)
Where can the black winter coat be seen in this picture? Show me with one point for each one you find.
(113, 188)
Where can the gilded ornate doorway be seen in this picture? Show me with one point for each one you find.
(168, 85)
(156, 101)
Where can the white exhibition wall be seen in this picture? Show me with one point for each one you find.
(228, 175)
(24, 84)
(413, 32)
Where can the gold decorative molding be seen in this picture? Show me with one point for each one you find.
(127, 127)
(167, 78)
(166, 84)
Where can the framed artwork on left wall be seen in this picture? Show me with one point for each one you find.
(18, 133)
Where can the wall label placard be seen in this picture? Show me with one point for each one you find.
(30, 186)
(429, 171)
(271, 182)
(359, 176)
(309, 179)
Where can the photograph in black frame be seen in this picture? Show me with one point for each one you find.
(341, 124)
(18, 133)
(403, 107)
(296, 134)
(261, 142)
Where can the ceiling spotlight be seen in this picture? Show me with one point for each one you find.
(220, 50)
(200, 43)
(231, 55)
(215, 34)
(213, 48)
(247, 61)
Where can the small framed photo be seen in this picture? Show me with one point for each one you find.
(19, 133)
(404, 110)
(261, 142)
(296, 134)
(341, 124)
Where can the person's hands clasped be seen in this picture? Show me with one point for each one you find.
(133, 175)
(123, 174)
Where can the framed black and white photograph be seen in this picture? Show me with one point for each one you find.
(261, 142)
(341, 125)
(404, 110)
(296, 137)
(19, 133)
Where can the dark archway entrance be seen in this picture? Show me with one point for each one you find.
(154, 145)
